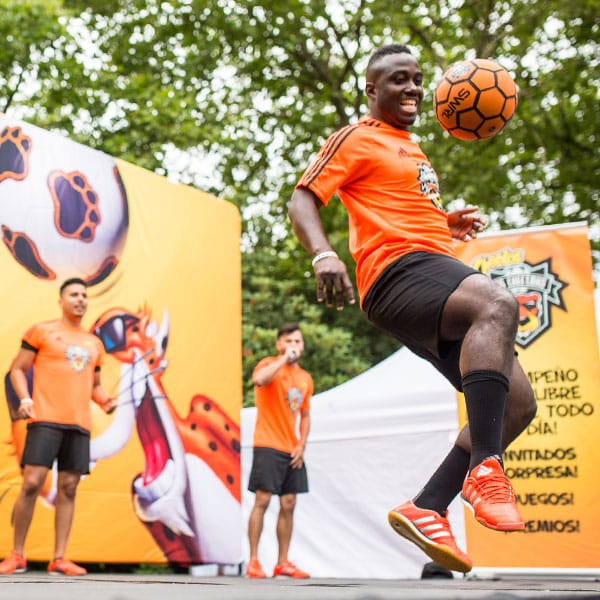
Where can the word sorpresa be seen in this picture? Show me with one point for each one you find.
(547, 472)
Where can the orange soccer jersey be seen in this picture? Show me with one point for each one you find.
(63, 372)
(390, 191)
(278, 405)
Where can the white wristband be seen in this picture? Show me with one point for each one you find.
(327, 254)
(26, 401)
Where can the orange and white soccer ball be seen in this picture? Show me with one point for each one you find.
(475, 99)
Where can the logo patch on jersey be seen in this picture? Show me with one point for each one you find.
(430, 185)
(535, 286)
(294, 399)
(78, 357)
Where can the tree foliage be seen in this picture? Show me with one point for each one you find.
(235, 97)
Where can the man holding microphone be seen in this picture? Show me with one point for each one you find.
(282, 391)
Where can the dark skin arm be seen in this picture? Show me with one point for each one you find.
(331, 274)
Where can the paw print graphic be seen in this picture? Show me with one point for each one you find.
(15, 148)
(26, 253)
(76, 210)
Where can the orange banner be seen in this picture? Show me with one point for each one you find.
(163, 265)
(554, 465)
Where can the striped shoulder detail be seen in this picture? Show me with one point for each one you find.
(371, 123)
(328, 150)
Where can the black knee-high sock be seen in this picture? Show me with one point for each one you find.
(485, 397)
(445, 483)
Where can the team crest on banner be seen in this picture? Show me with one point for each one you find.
(535, 286)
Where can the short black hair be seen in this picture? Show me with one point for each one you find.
(71, 281)
(385, 50)
(287, 328)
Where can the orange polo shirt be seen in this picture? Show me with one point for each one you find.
(390, 191)
(278, 405)
(63, 372)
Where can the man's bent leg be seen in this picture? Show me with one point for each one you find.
(486, 315)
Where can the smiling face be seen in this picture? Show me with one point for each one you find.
(395, 89)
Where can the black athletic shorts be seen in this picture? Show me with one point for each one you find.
(46, 442)
(271, 472)
(407, 300)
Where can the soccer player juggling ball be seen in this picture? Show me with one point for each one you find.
(412, 286)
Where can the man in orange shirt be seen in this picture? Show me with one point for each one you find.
(66, 361)
(412, 286)
(282, 391)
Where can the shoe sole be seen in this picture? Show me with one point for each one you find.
(442, 555)
(66, 574)
(518, 526)
(16, 571)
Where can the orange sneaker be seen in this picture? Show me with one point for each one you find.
(65, 567)
(487, 491)
(13, 563)
(431, 532)
(289, 569)
(254, 570)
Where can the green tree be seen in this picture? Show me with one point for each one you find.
(35, 56)
(246, 92)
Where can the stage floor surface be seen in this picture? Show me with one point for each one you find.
(42, 586)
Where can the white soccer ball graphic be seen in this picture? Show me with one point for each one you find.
(63, 206)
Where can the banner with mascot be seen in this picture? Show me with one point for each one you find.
(553, 465)
(163, 266)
